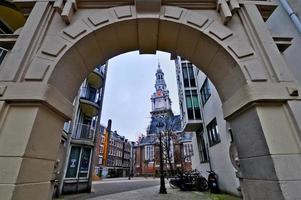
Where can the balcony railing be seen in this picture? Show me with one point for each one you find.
(100, 70)
(3, 52)
(90, 94)
(84, 132)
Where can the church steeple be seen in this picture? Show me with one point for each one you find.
(160, 82)
(161, 103)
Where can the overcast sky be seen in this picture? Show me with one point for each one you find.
(129, 86)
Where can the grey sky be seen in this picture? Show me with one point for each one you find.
(129, 86)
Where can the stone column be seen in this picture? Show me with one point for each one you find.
(268, 142)
(29, 140)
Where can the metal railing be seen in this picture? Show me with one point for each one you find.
(84, 131)
(3, 52)
(89, 94)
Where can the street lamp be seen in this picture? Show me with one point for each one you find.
(159, 126)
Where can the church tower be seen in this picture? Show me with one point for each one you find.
(161, 103)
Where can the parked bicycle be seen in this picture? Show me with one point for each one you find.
(189, 181)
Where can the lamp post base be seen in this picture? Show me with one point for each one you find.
(162, 186)
(162, 190)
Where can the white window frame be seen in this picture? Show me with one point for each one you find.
(149, 152)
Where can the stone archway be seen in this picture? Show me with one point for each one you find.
(40, 77)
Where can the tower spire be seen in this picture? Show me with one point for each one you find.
(161, 102)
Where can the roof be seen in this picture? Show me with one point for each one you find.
(171, 122)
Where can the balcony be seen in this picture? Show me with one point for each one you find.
(89, 101)
(192, 125)
(95, 78)
(190, 122)
(84, 132)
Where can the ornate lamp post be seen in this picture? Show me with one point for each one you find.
(159, 126)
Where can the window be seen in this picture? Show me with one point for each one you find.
(188, 75)
(73, 162)
(213, 134)
(67, 126)
(192, 104)
(202, 147)
(3, 52)
(205, 91)
(188, 152)
(149, 152)
(100, 160)
(191, 75)
(79, 162)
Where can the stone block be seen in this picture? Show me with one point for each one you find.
(256, 168)
(220, 31)
(123, 12)
(240, 48)
(172, 12)
(32, 191)
(248, 134)
(288, 167)
(68, 12)
(197, 20)
(18, 120)
(10, 167)
(281, 138)
(148, 35)
(53, 47)
(99, 18)
(148, 6)
(76, 29)
(255, 70)
(6, 191)
(37, 70)
(261, 190)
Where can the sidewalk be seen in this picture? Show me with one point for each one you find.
(151, 193)
(124, 179)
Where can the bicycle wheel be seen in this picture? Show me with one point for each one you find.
(172, 184)
(203, 184)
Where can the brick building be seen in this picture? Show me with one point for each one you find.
(117, 161)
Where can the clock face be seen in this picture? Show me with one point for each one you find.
(159, 93)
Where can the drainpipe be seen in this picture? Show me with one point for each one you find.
(291, 14)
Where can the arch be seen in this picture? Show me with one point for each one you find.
(42, 77)
(96, 37)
